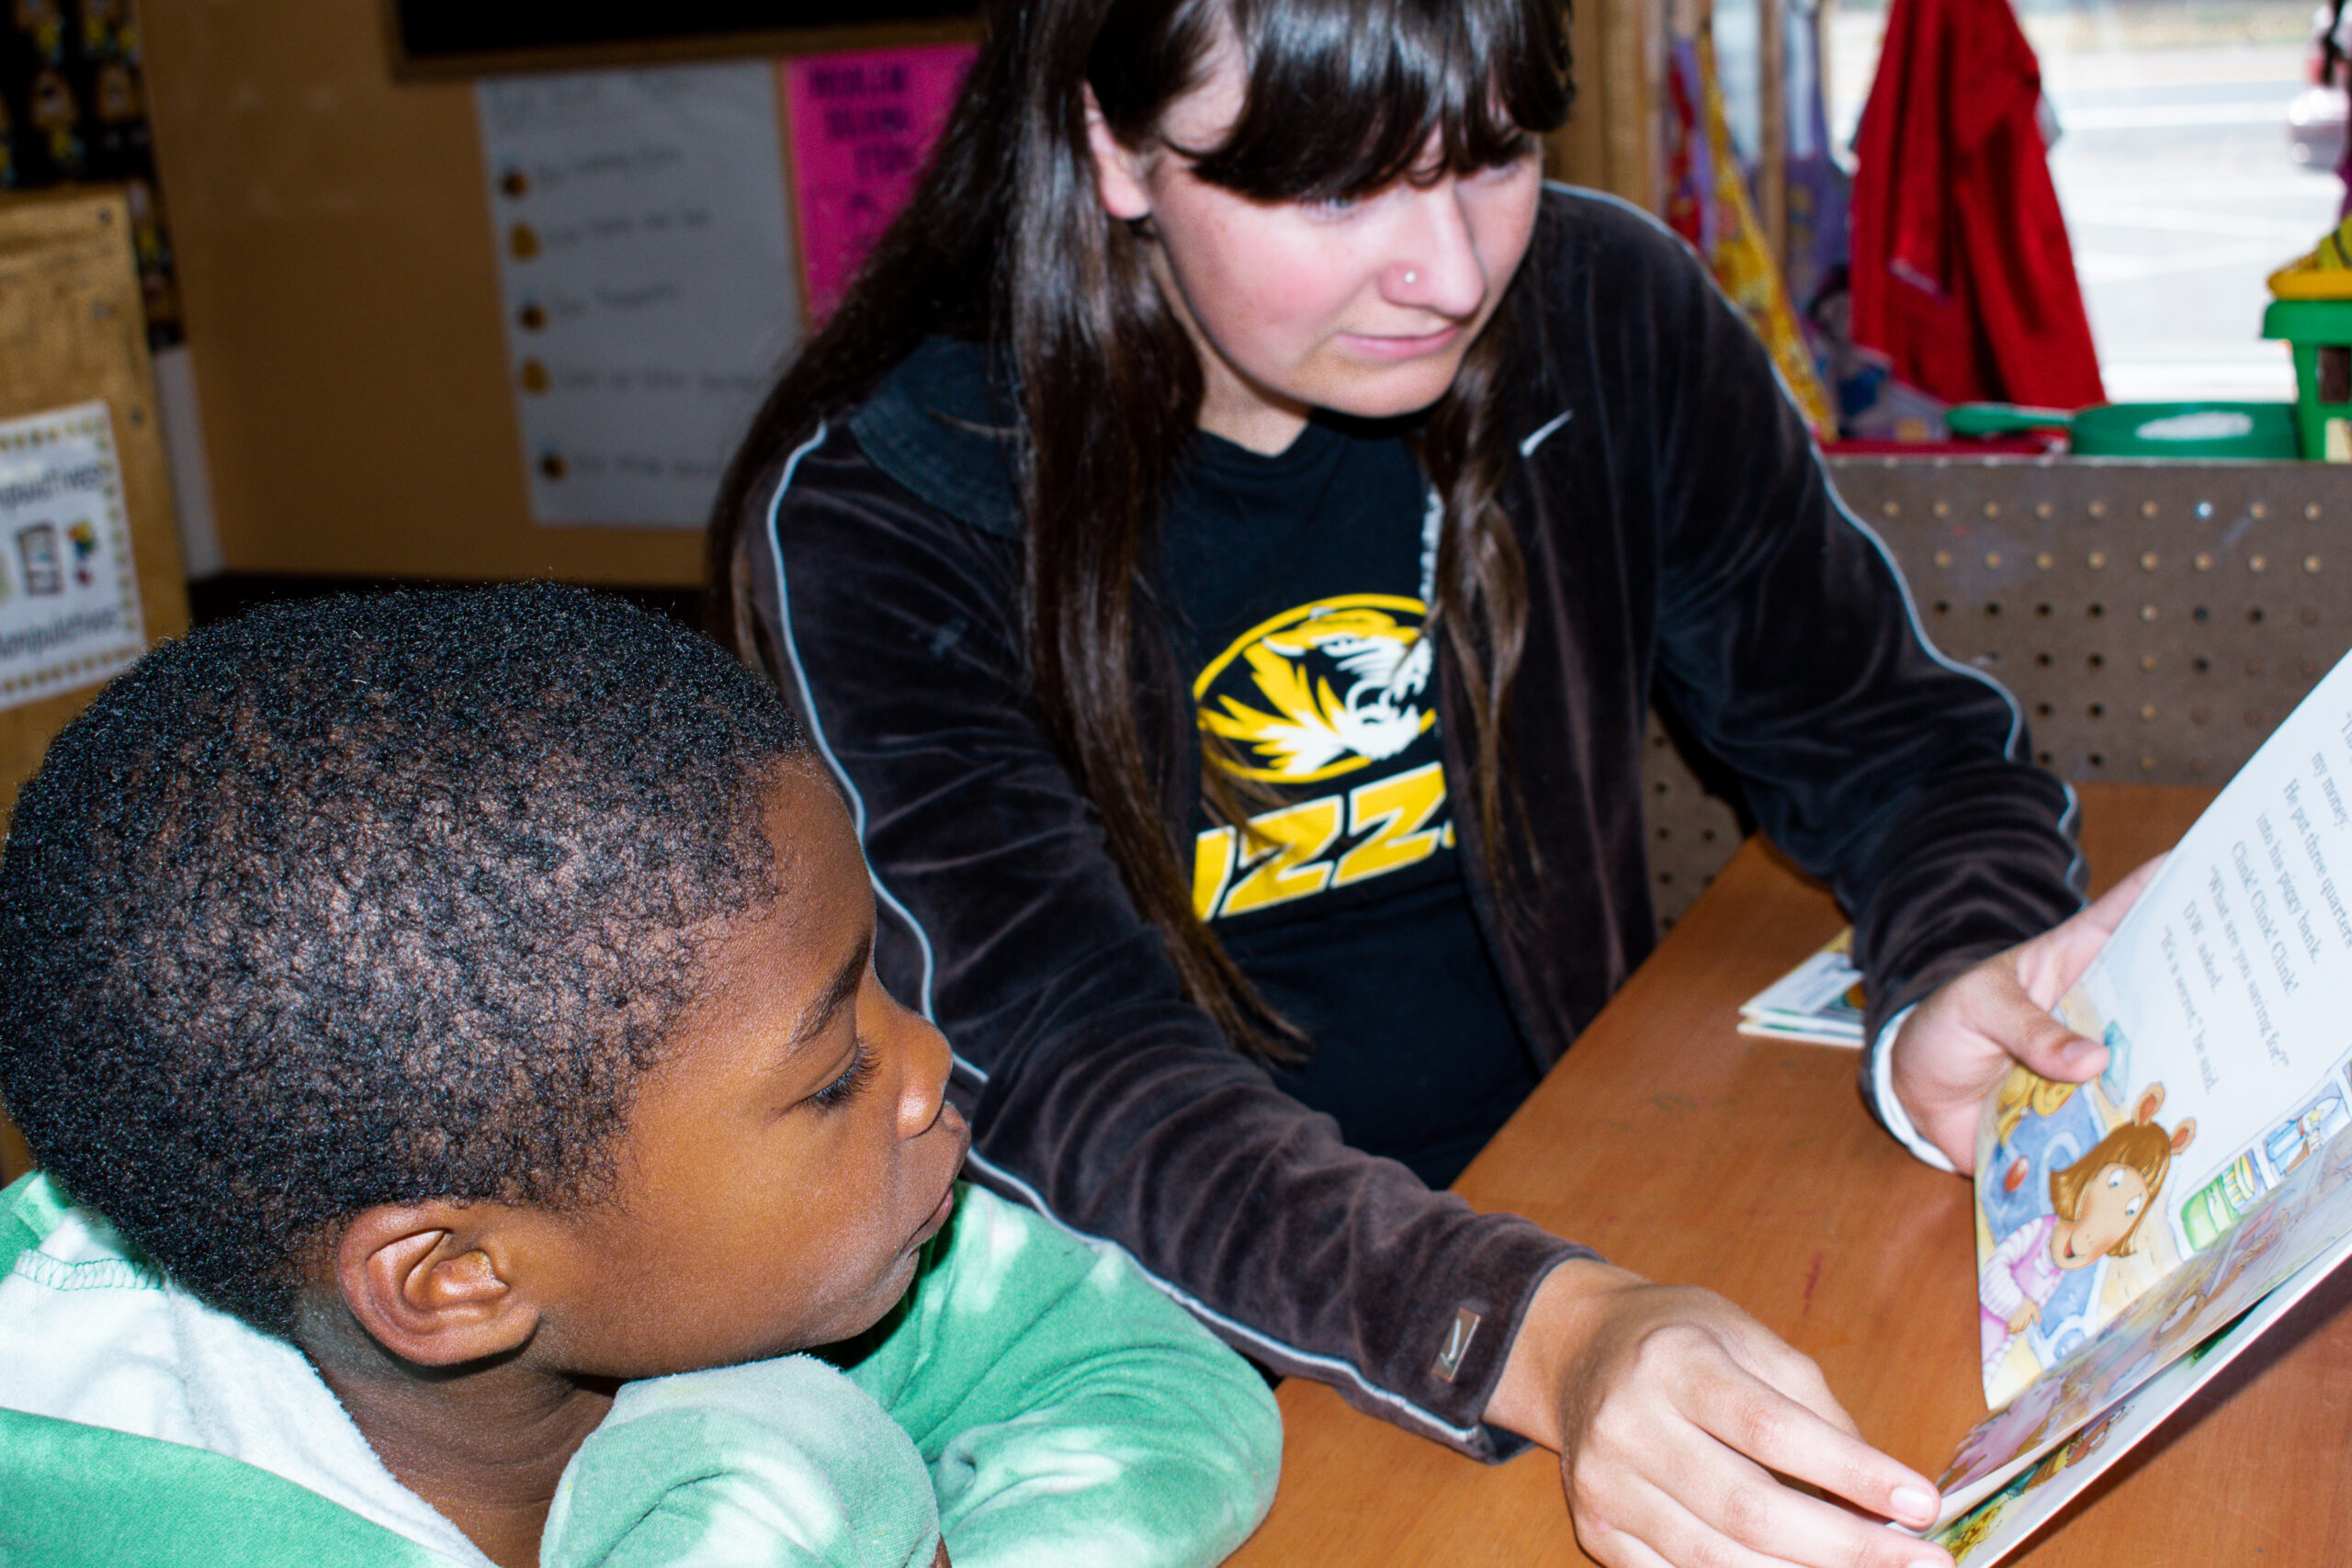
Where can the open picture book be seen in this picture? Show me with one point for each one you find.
(2136, 1232)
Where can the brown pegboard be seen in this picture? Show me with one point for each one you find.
(2156, 620)
(1690, 832)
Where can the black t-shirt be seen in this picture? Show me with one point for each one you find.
(1300, 583)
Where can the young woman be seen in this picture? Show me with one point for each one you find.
(1225, 546)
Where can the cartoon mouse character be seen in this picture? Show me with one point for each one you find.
(2099, 1200)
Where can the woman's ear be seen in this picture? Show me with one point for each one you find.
(1118, 172)
(430, 1283)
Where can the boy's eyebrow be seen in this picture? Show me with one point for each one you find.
(820, 1014)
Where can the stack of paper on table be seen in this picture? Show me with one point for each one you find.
(1819, 1000)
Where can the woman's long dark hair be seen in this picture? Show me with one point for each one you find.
(1005, 243)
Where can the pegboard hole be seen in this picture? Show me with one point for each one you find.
(2097, 661)
(2202, 614)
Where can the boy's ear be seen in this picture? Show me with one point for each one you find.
(1118, 172)
(429, 1281)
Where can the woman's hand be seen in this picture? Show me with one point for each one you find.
(1675, 1414)
(1965, 1038)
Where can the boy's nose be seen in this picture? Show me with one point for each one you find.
(1437, 267)
(923, 1089)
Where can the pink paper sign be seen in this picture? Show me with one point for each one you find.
(862, 124)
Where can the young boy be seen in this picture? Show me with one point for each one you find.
(446, 1028)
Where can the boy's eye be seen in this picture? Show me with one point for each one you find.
(855, 1078)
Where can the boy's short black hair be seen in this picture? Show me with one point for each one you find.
(369, 900)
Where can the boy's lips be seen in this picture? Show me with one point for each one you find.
(930, 1226)
(946, 1204)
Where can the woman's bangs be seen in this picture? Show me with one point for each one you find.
(1343, 97)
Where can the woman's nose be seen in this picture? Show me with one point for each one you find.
(1437, 267)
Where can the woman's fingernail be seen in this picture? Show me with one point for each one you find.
(1914, 1503)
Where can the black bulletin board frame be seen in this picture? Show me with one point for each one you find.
(430, 38)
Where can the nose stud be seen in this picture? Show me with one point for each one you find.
(1413, 276)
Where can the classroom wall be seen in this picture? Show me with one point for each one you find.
(335, 248)
(335, 260)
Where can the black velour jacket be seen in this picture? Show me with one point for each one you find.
(1679, 537)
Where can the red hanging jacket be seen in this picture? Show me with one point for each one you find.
(1962, 273)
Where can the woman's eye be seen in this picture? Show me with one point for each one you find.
(856, 1077)
(2132, 1209)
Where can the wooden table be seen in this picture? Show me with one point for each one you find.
(1689, 1152)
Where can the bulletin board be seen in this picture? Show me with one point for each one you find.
(73, 332)
(339, 278)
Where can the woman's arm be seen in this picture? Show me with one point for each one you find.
(1789, 642)
(1096, 1093)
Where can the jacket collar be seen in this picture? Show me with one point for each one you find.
(939, 425)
